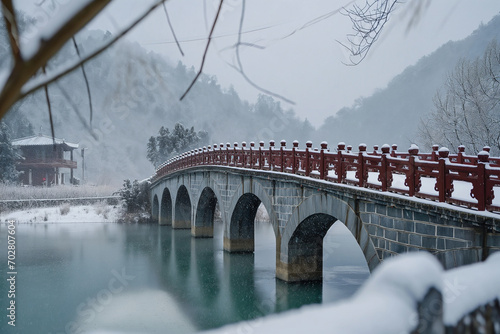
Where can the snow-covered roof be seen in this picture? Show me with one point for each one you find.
(42, 140)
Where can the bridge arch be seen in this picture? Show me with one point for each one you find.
(305, 248)
(316, 214)
(204, 216)
(240, 231)
(166, 208)
(182, 209)
(155, 209)
(254, 187)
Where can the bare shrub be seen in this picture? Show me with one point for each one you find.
(11, 192)
(101, 208)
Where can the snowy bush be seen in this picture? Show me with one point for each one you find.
(8, 173)
(135, 196)
(64, 209)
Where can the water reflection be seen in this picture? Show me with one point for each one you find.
(149, 278)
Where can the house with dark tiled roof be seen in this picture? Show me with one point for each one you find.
(45, 160)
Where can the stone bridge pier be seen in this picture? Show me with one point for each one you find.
(301, 211)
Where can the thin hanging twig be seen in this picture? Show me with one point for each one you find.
(49, 107)
(368, 22)
(86, 81)
(205, 52)
(172, 30)
(240, 64)
(75, 108)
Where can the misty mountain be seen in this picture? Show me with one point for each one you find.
(135, 92)
(391, 115)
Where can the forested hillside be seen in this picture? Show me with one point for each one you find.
(134, 93)
(392, 114)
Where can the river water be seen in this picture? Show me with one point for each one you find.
(129, 278)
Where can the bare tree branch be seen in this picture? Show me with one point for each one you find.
(92, 55)
(24, 70)
(368, 22)
(240, 64)
(49, 107)
(205, 52)
(86, 80)
(12, 29)
(172, 29)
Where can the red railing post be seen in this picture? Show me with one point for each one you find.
(340, 162)
(435, 153)
(236, 154)
(252, 162)
(322, 164)
(479, 191)
(282, 148)
(384, 166)
(271, 157)
(375, 149)
(244, 154)
(394, 150)
(261, 147)
(221, 153)
(294, 158)
(411, 178)
(442, 174)
(309, 145)
(362, 178)
(460, 155)
(228, 160)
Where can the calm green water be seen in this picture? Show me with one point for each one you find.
(78, 278)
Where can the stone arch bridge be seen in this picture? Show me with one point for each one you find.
(302, 209)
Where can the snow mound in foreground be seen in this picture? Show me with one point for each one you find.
(389, 301)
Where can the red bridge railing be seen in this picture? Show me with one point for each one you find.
(434, 176)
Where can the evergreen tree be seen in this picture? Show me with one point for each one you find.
(8, 172)
(17, 122)
(168, 144)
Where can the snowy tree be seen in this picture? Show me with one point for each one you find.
(8, 172)
(169, 143)
(467, 111)
(135, 196)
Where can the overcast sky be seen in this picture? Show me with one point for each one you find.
(307, 66)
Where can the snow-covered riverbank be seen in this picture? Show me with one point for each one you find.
(96, 213)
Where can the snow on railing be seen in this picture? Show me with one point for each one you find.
(409, 293)
(459, 179)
